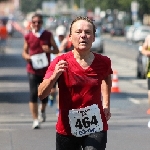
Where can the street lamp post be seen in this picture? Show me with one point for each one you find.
(134, 10)
(72, 4)
(81, 4)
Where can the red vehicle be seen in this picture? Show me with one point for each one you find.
(117, 32)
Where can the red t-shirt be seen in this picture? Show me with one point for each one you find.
(3, 33)
(35, 47)
(79, 87)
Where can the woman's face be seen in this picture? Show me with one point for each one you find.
(82, 35)
(36, 23)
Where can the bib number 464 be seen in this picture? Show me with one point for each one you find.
(85, 122)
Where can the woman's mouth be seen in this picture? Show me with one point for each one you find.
(83, 42)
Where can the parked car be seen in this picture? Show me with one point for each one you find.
(126, 28)
(50, 23)
(98, 44)
(140, 33)
(107, 27)
(63, 20)
(141, 64)
(117, 31)
(129, 33)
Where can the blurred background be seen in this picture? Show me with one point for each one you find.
(122, 26)
(115, 18)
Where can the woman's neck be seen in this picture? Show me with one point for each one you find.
(82, 55)
(84, 59)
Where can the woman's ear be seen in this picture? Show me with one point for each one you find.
(70, 37)
(93, 38)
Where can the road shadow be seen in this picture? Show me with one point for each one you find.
(12, 61)
(126, 126)
(14, 97)
(123, 95)
(117, 95)
(16, 78)
(127, 78)
(13, 77)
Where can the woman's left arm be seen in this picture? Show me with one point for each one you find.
(106, 90)
(48, 49)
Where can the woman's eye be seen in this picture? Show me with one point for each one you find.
(88, 32)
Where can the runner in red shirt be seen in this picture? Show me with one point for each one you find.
(37, 48)
(82, 76)
(3, 36)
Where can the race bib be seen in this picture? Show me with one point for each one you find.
(39, 61)
(85, 121)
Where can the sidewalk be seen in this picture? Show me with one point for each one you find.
(15, 119)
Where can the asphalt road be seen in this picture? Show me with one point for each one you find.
(127, 127)
(15, 118)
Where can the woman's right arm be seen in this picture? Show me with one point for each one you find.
(145, 49)
(45, 87)
(63, 45)
(25, 53)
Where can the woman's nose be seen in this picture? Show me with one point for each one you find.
(83, 34)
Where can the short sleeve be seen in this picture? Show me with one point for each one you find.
(110, 71)
(108, 67)
(26, 37)
(147, 39)
(51, 67)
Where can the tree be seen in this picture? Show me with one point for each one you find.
(3, 0)
(30, 5)
(121, 5)
(144, 7)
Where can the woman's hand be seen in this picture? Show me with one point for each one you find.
(46, 48)
(60, 68)
(27, 58)
(107, 113)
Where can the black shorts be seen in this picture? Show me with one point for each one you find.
(94, 141)
(54, 86)
(148, 83)
(34, 81)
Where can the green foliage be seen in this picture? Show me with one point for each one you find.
(90, 5)
(30, 5)
(3, 0)
(122, 5)
(144, 7)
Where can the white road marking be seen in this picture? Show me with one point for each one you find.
(136, 101)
